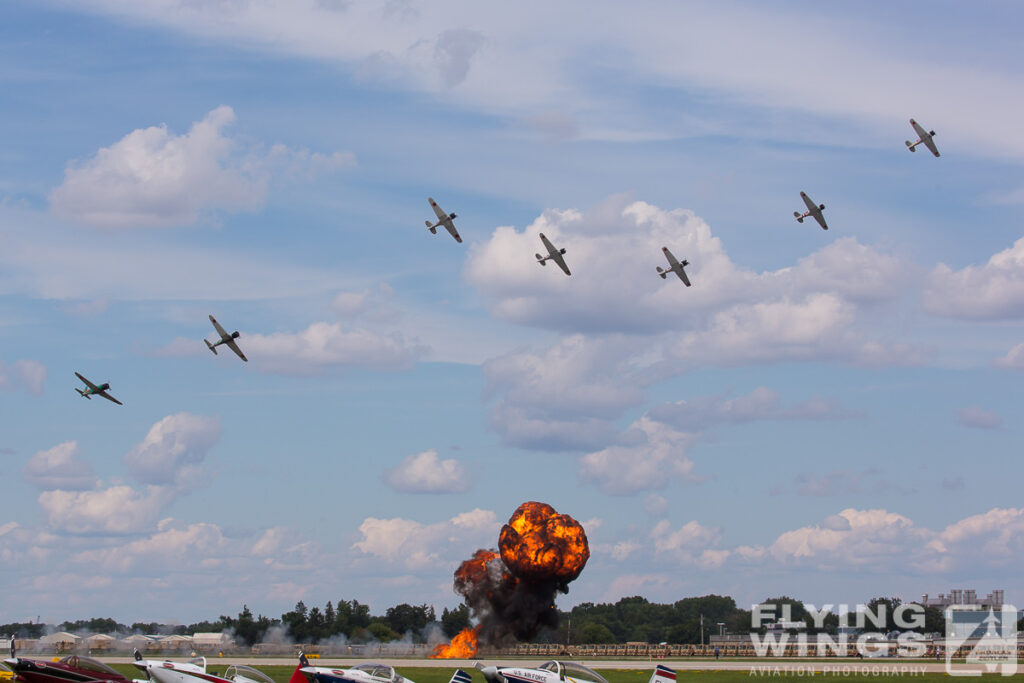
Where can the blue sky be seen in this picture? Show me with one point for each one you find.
(833, 415)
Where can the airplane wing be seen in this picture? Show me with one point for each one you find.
(821, 220)
(220, 330)
(87, 382)
(451, 228)
(921, 132)
(230, 343)
(930, 144)
(811, 206)
(441, 215)
(682, 276)
(556, 256)
(547, 245)
(671, 259)
(108, 397)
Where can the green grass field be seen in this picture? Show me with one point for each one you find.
(441, 675)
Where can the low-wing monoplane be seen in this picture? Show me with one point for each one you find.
(367, 672)
(675, 266)
(226, 339)
(924, 137)
(445, 219)
(560, 672)
(93, 390)
(812, 210)
(553, 255)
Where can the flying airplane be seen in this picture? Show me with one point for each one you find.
(553, 255)
(674, 267)
(444, 219)
(94, 390)
(812, 210)
(923, 137)
(225, 338)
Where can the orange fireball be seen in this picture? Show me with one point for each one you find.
(541, 545)
(463, 646)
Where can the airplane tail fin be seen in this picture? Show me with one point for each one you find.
(663, 674)
(431, 227)
(796, 215)
(909, 145)
(541, 260)
(461, 676)
(660, 272)
(297, 676)
(82, 393)
(211, 347)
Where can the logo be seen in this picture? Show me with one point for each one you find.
(985, 639)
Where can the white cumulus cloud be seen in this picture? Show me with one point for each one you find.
(426, 473)
(60, 468)
(420, 546)
(174, 449)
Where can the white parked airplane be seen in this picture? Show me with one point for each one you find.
(553, 255)
(674, 267)
(93, 390)
(548, 672)
(226, 339)
(444, 219)
(812, 210)
(924, 137)
(366, 672)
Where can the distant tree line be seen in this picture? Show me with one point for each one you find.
(629, 619)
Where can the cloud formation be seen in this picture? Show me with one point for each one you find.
(418, 546)
(993, 291)
(60, 468)
(426, 473)
(173, 452)
(153, 178)
(28, 375)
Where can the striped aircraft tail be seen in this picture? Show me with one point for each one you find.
(461, 676)
(663, 674)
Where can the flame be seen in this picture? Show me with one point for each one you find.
(483, 569)
(540, 544)
(463, 646)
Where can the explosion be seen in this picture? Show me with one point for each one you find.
(511, 593)
(463, 646)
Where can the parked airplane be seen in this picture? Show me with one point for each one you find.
(548, 672)
(225, 338)
(923, 137)
(812, 210)
(553, 255)
(367, 672)
(444, 219)
(93, 390)
(560, 672)
(674, 267)
(70, 669)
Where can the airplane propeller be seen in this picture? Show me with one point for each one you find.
(491, 673)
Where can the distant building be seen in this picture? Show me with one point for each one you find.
(212, 642)
(61, 641)
(964, 597)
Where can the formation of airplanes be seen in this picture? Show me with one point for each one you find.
(447, 220)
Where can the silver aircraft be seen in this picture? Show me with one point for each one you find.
(444, 219)
(553, 255)
(226, 339)
(93, 390)
(924, 137)
(674, 267)
(812, 210)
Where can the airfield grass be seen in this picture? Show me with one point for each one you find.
(281, 674)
